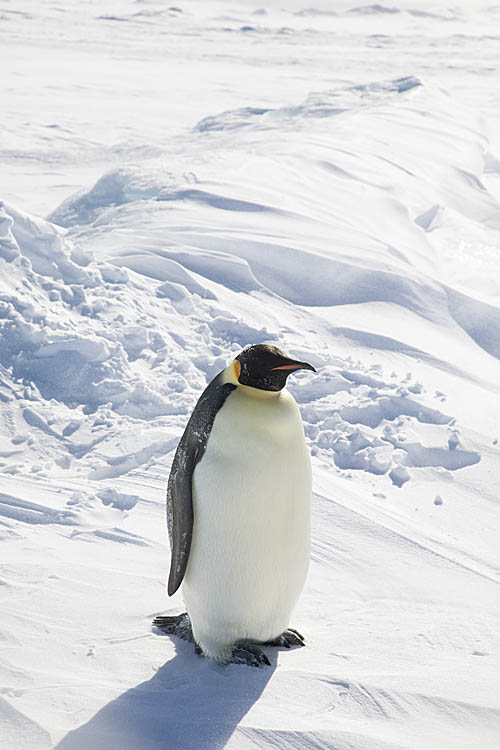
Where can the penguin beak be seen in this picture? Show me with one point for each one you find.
(292, 364)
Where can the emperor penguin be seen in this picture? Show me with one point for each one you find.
(238, 512)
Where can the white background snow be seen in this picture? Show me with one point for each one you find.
(180, 181)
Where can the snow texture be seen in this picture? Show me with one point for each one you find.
(325, 178)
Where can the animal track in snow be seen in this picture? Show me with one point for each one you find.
(114, 535)
(27, 512)
(119, 465)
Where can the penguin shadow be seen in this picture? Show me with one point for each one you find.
(189, 703)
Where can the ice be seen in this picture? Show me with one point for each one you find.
(181, 182)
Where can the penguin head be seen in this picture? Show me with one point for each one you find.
(266, 367)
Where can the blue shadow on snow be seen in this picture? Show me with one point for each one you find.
(189, 703)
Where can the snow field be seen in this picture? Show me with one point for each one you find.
(345, 211)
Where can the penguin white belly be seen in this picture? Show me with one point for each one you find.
(251, 534)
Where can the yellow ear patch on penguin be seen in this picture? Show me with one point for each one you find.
(236, 368)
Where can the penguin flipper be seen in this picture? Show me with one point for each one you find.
(179, 491)
(180, 511)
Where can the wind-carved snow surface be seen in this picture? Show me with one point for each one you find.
(344, 207)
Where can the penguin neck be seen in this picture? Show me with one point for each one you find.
(258, 393)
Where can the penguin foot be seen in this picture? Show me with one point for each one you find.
(247, 653)
(176, 625)
(289, 638)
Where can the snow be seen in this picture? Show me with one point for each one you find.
(213, 175)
